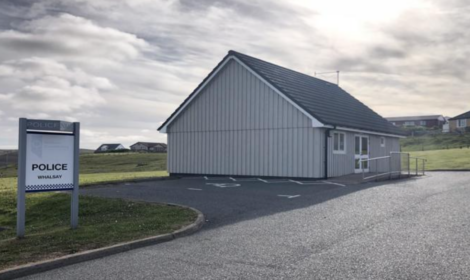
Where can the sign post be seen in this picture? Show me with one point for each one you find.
(48, 160)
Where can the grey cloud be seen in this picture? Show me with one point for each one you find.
(142, 58)
(382, 52)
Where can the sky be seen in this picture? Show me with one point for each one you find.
(121, 68)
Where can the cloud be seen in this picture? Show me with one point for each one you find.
(122, 67)
(50, 87)
(69, 37)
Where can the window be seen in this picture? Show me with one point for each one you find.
(422, 123)
(409, 123)
(339, 143)
(382, 142)
(462, 123)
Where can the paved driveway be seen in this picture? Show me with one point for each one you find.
(413, 229)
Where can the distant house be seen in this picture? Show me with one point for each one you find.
(460, 123)
(432, 121)
(106, 148)
(149, 147)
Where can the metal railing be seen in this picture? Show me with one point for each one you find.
(396, 164)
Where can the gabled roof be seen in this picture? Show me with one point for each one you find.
(321, 100)
(150, 144)
(110, 146)
(415, 118)
(465, 115)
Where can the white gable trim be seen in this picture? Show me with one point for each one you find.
(315, 122)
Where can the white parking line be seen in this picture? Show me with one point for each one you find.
(244, 179)
(332, 183)
(217, 178)
(262, 180)
(288, 196)
(193, 189)
(306, 182)
(224, 185)
(300, 183)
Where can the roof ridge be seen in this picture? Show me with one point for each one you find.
(295, 71)
(460, 116)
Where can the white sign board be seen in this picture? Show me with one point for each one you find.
(49, 162)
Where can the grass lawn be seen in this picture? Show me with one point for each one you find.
(121, 162)
(445, 159)
(102, 222)
(87, 179)
(110, 163)
(435, 142)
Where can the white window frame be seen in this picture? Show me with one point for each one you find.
(383, 142)
(459, 124)
(410, 123)
(423, 123)
(339, 151)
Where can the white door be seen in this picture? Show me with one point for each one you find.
(361, 151)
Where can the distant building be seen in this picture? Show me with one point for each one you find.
(432, 121)
(460, 123)
(106, 148)
(149, 147)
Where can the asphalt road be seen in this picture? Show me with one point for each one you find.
(411, 229)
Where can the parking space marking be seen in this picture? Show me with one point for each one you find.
(332, 183)
(317, 183)
(288, 196)
(217, 178)
(244, 179)
(297, 182)
(193, 189)
(224, 185)
(307, 182)
(277, 181)
(273, 181)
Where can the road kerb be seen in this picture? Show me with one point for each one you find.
(42, 266)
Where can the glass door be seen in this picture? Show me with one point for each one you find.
(361, 152)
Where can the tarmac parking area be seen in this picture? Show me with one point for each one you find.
(225, 199)
(406, 229)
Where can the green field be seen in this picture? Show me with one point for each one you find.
(442, 151)
(454, 159)
(103, 222)
(435, 142)
(110, 163)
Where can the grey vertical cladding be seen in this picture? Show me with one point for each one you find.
(238, 125)
(270, 152)
(237, 100)
(343, 164)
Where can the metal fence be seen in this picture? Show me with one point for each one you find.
(396, 165)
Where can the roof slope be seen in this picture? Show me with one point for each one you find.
(150, 144)
(327, 102)
(110, 146)
(465, 115)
